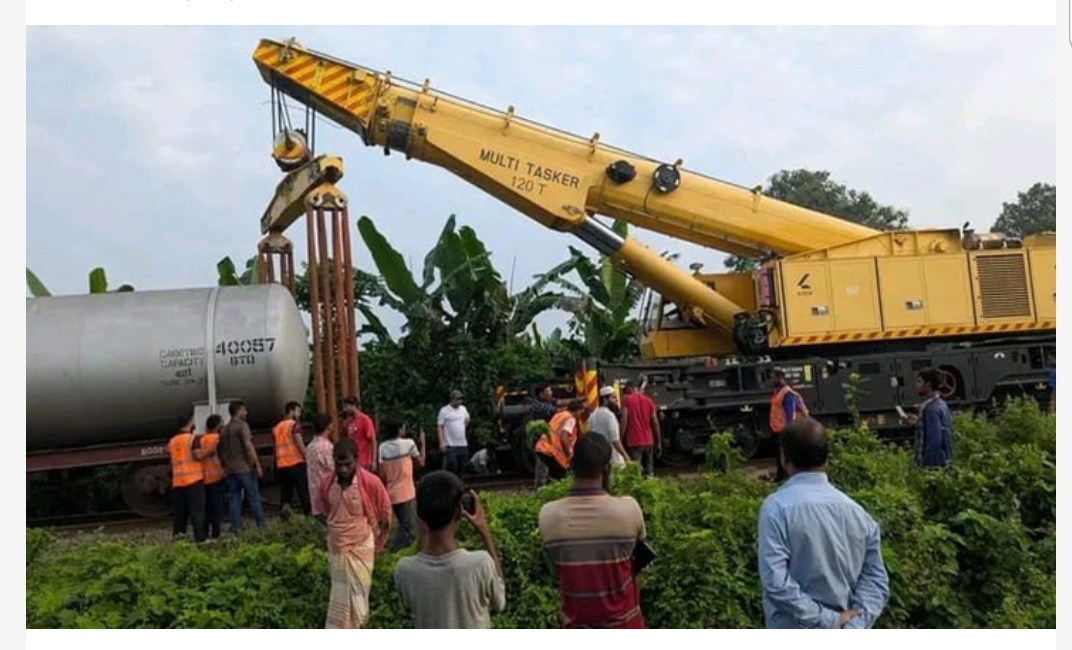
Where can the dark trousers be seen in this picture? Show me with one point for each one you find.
(547, 468)
(645, 456)
(236, 486)
(455, 460)
(189, 505)
(293, 480)
(405, 532)
(779, 475)
(214, 508)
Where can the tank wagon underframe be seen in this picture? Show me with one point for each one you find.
(136, 360)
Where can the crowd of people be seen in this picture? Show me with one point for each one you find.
(819, 552)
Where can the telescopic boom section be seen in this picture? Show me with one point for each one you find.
(556, 178)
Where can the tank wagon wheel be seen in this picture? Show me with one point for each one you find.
(145, 490)
(678, 454)
(746, 440)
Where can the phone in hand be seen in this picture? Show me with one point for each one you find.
(643, 556)
(901, 412)
(469, 503)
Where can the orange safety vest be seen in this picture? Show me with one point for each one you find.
(286, 451)
(777, 409)
(185, 469)
(211, 466)
(551, 444)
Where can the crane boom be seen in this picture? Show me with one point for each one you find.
(561, 180)
(552, 176)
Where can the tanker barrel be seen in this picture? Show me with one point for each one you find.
(116, 368)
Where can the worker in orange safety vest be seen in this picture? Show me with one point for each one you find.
(786, 405)
(213, 470)
(554, 450)
(187, 480)
(290, 458)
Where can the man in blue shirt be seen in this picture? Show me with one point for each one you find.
(934, 424)
(820, 558)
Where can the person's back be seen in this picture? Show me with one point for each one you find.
(231, 447)
(641, 408)
(456, 590)
(590, 536)
(820, 560)
(827, 535)
(444, 586)
(603, 421)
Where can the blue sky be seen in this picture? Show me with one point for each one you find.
(148, 148)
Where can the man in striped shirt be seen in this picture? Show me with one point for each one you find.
(590, 536)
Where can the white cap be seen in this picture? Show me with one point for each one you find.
(606, 390)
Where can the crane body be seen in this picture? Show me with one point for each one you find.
(829, 294)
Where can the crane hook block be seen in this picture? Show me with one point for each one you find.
(291, 150)
(621, 172)
(666, 178)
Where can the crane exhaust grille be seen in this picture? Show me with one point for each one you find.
(1003, 287)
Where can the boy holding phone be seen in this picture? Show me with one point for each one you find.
(445, 586)
(596, 541)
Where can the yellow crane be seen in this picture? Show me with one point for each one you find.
(825, 280)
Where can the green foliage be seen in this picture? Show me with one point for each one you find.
(34, 285)
(970, 546)
(228, 276)
(98, 283)
(853, 391)
(460, 292)
(722, 454)
(534, 429)
(603, 307)
(1033, 212)
(413, 378)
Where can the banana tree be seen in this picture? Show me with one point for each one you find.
(36, 288)
(366, 287)
(98, 283)
(460, 291)
(228, 275)
(603, 306)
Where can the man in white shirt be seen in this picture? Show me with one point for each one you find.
(604, 422)
(451, 425)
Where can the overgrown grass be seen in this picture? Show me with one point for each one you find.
(972, 546)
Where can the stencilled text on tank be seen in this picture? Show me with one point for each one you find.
(245, 352)
(179, 364)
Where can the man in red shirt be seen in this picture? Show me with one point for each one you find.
(640, 422)
(360, 428)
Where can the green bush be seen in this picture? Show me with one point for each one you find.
(971, 546)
